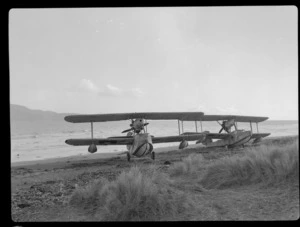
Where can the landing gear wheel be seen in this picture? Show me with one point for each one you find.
(128, 157)
(153, 155)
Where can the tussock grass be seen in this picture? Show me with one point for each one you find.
(266, 164)
(281, 141)
(135, 195)
(188, 165)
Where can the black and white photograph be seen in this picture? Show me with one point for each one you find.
(157, 113)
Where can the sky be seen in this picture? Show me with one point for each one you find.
(217, 60)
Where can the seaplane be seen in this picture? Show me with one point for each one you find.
(139, 142)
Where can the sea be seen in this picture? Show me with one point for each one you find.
(39, 140)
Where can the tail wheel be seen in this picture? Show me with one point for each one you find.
(128, 157)
(153, 155)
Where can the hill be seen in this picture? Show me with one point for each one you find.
(22, 113)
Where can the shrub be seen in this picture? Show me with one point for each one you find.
(267, 164)
(135, 195)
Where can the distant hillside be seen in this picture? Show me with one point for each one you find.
(22, 113)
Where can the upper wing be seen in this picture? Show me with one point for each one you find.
(235, 117)
(108, 141)
(186, 116)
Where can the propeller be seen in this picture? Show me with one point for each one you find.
(128, 130)
(221, 130)
(133, 128)
(224, 127)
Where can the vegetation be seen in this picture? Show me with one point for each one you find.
(147, 194)
(266, 164)
(255, 183)
(188, 165)
(135, 195)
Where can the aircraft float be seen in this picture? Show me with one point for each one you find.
(140, 143)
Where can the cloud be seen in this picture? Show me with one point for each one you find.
(119, 92)
(112, 90)
(88, 85)
(137, 92)
(109, 90)
(230, 110)
(202, 107)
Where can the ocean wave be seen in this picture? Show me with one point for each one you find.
(25, 136)
(68, 131)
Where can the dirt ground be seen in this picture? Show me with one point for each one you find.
(40, 191)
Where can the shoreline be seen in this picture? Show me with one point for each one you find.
(85, 157)
(96, 156)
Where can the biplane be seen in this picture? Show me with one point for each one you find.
(140, 143)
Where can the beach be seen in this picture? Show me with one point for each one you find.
(41, 189)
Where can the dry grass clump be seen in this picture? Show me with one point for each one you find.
(188, 165)
(281, 141)
(135, 195)
(267, 164)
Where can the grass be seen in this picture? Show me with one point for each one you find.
(257, 183)
(145, 194)
(265, 164)
(135, 195)
(188, 165)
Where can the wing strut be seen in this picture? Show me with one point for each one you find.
(92, 131)
(178, 127)
(251, 126)
(196, 126)
(146, 125)
(257, 127)
(201, 125)
(235, 127)
(182, 126)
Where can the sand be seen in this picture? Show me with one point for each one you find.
(41, 189)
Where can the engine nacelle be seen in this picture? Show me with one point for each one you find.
(92, 148)
(183, 144)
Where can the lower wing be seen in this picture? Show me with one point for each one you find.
(127, 140)
(226, 135)
(259, 135)
(106, 141)
(179, 138)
